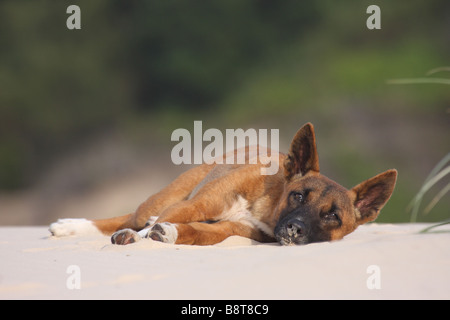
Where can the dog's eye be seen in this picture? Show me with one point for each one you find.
(298, 197)
(332, 216)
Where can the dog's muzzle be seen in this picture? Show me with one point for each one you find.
(291, 232)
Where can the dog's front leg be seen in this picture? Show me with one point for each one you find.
(195, 233)
(167, 226)
(198, 233)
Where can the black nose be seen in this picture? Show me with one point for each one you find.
(295, 228)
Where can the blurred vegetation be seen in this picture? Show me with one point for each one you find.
(148, 67)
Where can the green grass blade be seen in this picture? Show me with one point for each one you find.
(426, 186)
(436, 199)
(435, 226)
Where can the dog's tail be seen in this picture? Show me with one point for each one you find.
(67, 227)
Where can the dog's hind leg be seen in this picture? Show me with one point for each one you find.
(178, 190)
(175, 192)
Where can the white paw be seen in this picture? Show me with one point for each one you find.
(164, 232)
(125, 236)
(69, 227)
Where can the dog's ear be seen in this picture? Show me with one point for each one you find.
(371, 195)
(302, 156)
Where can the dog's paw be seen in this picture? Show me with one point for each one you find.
(69, 227)
(125, 236)
(164, 232)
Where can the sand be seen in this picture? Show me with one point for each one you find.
(377, 261)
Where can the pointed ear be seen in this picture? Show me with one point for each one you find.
(371, 195)
(302, 156)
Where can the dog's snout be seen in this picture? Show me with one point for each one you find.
(291, 231)
(295, 228)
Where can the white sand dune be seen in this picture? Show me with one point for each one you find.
(408, 265)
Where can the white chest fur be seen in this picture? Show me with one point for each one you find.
(239, 211)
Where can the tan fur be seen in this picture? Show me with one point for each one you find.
(243, 202)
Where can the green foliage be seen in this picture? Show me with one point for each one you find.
(439, 172)
(61, 86)
(146, 67)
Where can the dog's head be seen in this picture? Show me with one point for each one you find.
(314, 208)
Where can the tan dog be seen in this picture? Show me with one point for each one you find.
(209, 203)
